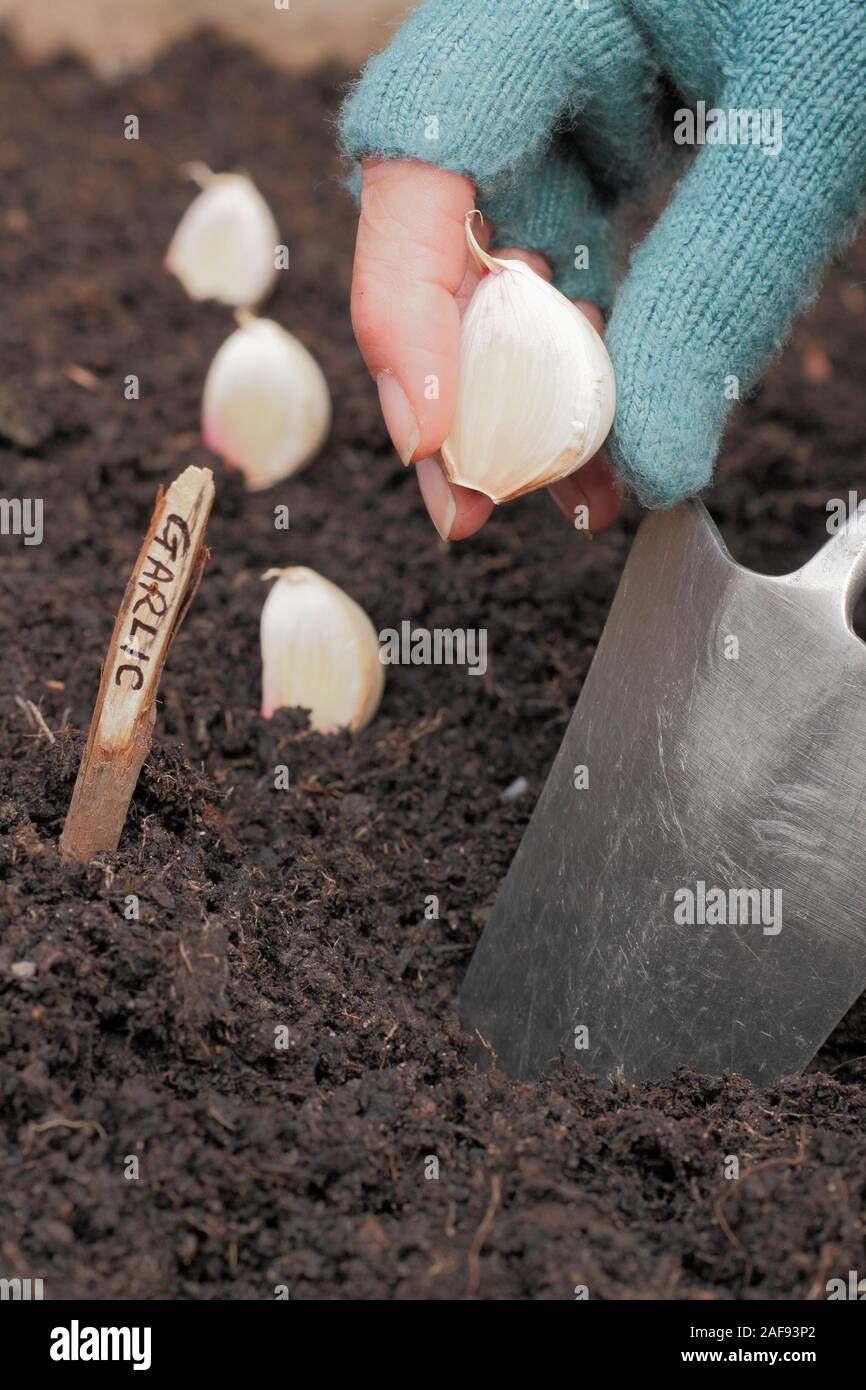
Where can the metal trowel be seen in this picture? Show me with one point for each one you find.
(691, 888)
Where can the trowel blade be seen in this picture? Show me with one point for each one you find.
(690, 888)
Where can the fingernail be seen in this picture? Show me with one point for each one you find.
(399, 416)
(437, 494)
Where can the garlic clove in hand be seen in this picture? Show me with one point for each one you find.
(319, 652)
(266, 407)
(225, 245)
(536, 393)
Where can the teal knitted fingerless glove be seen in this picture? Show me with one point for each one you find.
(550, 107)
(482, 87)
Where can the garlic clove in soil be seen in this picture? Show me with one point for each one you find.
(319, 652)
(536, 393)
(225, 245)
(266, 408)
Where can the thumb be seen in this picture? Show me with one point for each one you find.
(410, 260)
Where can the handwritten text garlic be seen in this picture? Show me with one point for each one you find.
(536, 391)
(319, 652)
(226, 244)
(266, 408)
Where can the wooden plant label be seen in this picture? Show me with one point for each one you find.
(163, 583)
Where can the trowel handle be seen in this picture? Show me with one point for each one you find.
(840, 565)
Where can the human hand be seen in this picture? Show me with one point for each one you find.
(413, 278)
(482, 90)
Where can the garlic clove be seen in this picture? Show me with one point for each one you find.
(266, 408)
(536, 393)
(319, 652)
(225, 245)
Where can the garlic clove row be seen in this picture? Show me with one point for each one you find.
(319, 652)
(266, 408)
(225, 245)
(536, 393)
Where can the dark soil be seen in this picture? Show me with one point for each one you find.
(306, 908)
